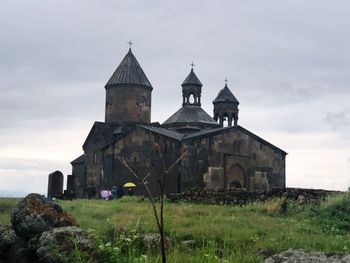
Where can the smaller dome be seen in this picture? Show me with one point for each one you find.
(225, 95)
(192, 79)
(190, 114)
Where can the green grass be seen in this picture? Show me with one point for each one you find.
(334, 214)
(222, 233)
(6, 206)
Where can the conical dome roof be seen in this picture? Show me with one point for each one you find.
(191, 79)
(225, 95)
(190, 114)
(129, 72)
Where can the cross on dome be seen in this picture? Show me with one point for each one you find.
(130, 43)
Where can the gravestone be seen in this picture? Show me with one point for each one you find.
(55, 185)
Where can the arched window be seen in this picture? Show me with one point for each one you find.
(191, 99)
(225, 120)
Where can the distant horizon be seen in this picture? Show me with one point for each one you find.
(9, 194)
(16, 194)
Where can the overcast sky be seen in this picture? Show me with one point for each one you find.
(287, 62)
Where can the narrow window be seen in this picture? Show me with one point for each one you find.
(95, 157)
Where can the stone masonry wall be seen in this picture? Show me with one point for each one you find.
(124, 104)
(241, 197)
(139, 148)
(263, 167)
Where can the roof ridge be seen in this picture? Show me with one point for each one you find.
(165, 132)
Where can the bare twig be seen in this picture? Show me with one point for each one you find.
(124, 161)
(161, 177)
(176, 162)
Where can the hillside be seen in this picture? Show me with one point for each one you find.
(212, 233)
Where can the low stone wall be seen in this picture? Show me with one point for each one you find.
(241, 196)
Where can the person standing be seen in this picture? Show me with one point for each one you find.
(114, 192)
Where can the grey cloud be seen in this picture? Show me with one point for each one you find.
(285, 61)
(20, 106)
(338, 120)
(23, 164)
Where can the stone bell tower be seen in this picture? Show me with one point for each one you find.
(128, 93)
(191, 89)
(226, 107)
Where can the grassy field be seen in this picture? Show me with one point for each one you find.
(221, 233)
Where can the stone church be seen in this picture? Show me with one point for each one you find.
(221, 154)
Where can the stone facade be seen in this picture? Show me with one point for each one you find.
(125, 104)
(139, 148)
(240, 157)
(218, 157)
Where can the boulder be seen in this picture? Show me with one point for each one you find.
(20, 253)
(301, 199)
(278, 207)
(58, 244)
(151, 241)
(303, 256)
(7, 239)
(36, 214)
(189, 244)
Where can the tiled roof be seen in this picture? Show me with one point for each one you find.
(192, 79)
(109, 136)
(166, 132)
(225, 95)
(80, 159)
(204, 132)
(239, 128)
(190, 114)
(105, 130)
(129, 72)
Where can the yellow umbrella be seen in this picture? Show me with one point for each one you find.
(129, 184)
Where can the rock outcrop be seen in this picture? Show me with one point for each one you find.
(7, 238)
(303, 256)
(36, 214)
(56, 244)
(42, 232)
(151, 241)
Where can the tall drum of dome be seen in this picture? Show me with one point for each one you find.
(128, 93)
(226, 107)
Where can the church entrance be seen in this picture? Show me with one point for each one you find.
(235, 184)
(235, 177)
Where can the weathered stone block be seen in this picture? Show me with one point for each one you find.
(35, 214)
(214, 177)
